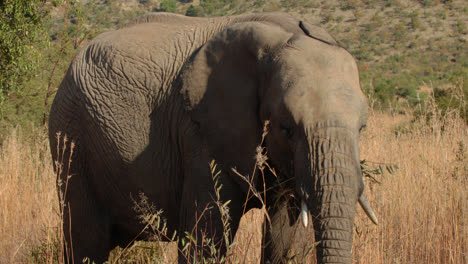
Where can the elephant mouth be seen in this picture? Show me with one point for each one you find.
(298, 209)
(363, 202)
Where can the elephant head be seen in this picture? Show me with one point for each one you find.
(295, 76)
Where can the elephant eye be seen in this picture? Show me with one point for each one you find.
(285, 129)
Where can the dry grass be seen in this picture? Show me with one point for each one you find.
(422, 208)
(28, 198)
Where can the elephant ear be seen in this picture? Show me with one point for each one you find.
(221, 90)
(317, 33)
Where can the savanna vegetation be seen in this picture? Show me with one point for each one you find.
(413, 63)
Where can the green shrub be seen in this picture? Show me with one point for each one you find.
(211, 6)
(168, 6)
(259, 3)
(384, 91)
(195, 11)
(363, 52)
(442, 14)
(427, 3)
(415, 21)
(272, 7)
(21, 38)
(460, 27)
(144, 2)
(357, 14)
(453, 99)
(328, 18)
(399, 32)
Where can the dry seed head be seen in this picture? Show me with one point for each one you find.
(261, 157)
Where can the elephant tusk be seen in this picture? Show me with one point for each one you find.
(304, 214)
(367, 208)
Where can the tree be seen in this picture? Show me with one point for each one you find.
(21, 36)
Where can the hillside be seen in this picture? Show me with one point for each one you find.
(407, 51)
(404, 48)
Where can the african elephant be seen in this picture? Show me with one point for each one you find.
(146, 108)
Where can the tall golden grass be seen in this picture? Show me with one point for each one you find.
(28, 199)
(422, 207)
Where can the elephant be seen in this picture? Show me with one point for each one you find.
(146, 108)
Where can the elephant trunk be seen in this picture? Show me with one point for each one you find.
(333, 219)
(330, 188)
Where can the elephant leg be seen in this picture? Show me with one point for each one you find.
(286, 240)
(201, 218)
(86, 228)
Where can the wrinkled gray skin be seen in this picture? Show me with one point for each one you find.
(150, 105)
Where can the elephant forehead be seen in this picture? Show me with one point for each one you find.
(322, 86)
(310, 102)
(313, 55)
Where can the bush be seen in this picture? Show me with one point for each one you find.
(168, 6)
(195, 11)
(453, 98)
(22, 40)
(415, 22)
(384, 92)
(399, 32)
(460, 27)
(211, 6)
(328, 18)
(21, 32)
(427, 3)
(259, 3)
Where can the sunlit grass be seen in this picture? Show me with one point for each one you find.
(422, 207)
(28, 198)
